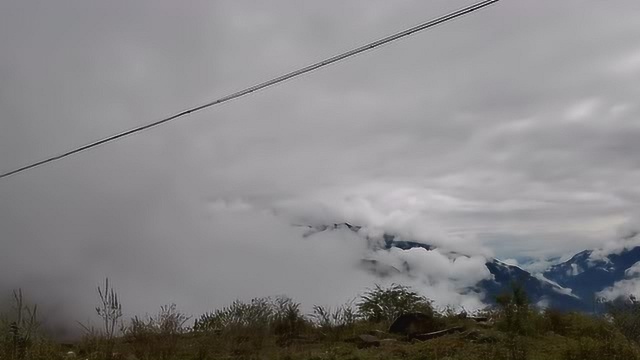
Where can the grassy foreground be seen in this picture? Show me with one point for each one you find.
(275, 328)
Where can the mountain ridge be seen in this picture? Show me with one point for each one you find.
(572, 285)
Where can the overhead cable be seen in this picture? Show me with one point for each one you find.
(260, 86)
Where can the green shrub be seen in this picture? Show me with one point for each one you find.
(245, 327)
(335, 322)
(552, 320)
(256, 314)
(287, 321)
(20, 335)
(515, 313)
(20, 329)
(156, 337)
(386, 304)
(625, 314)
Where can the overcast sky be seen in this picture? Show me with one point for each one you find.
(513, 131)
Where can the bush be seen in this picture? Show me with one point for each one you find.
(156, 337)
(256, 314)
(625, 314)
(287, 321)
(386, 304)
(246, 326)
(336, 321)
(515, 313)
(19, 330)
(20, 336)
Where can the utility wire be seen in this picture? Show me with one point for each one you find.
(323, 63)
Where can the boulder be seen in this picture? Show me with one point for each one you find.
(413, 323)
(366, 341)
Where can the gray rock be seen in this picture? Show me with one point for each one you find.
(366, 340)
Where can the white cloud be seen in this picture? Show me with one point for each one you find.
(537, 266)
(556, 287)
(403, 210)
(583, 110)
(618, 110)
(513, 262)
(628, 64)
(439, 276)
(628, 237)
(621, 288)
(230, 205)
(633, 271)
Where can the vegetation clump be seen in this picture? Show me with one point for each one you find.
(384, 305)
(277, 328)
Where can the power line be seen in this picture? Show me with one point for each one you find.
(304, 70)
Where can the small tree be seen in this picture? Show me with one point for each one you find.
(386, 304)
(514, 320)
(625, 313)
(515, 310)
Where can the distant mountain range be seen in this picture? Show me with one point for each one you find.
(572, 285)
(587, 275)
